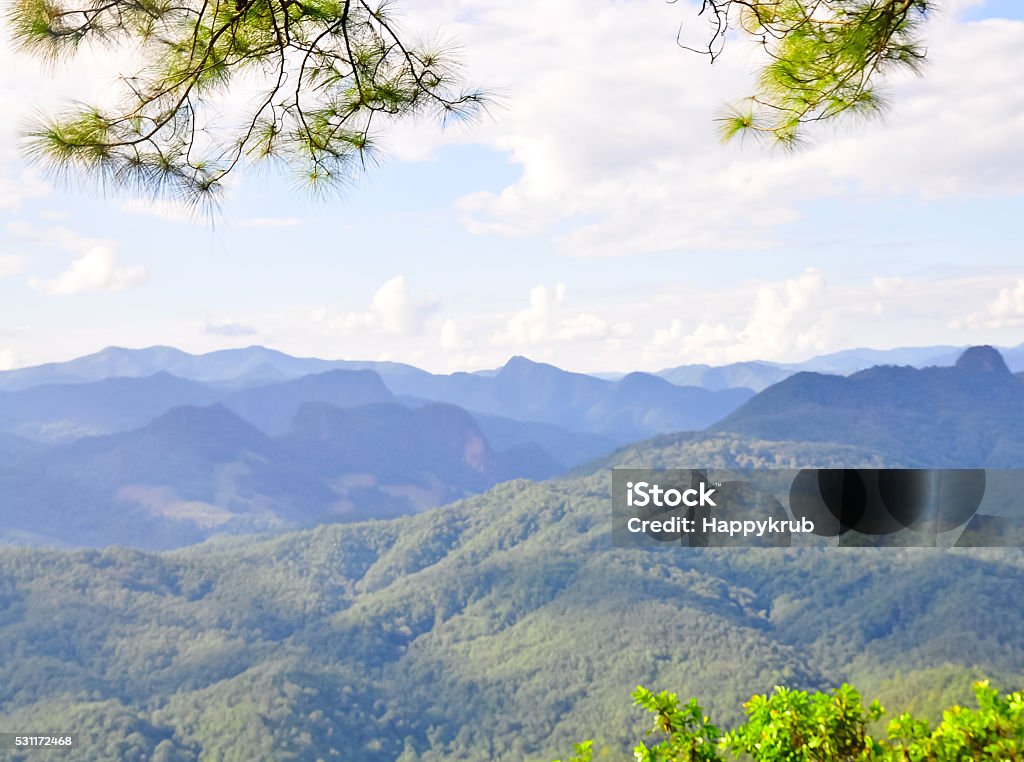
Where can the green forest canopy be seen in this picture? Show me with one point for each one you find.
(503, 627)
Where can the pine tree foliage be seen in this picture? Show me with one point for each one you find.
(325, 76)
(825, 58)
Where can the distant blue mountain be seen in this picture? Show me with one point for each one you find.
(641, 405)
(852, 360)
(256, 365)
(399, 445)
(54, 413)
(117, 389)
(63, 412)
(634, 407)
(273, 406)
(183, 459)
(237, 367)
(59, 412)
(159, 461)
(750, 375)
(759, 375)
(569, 448)
(13, 447)
(196, 471)
(964, 416)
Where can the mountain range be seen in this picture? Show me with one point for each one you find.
(758, 375)
(195, 471)
(967, 415)
(256, 365)
(622, 411)
(231, 367)
(161, 461)
(635, 406)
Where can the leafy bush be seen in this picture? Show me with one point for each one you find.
(797, 726)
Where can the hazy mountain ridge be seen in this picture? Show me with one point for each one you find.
(246, 366)
(759, 375)
(272, 407)
(623, 411)
(63, 412)
(195, 471)
(751, 375)
(226, 366)
(571, 448)
(627, 409)
(967, 415)
(636, 406)
(56, 412)
(149, 461)
(322, 454)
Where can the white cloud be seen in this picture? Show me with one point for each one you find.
(20, 188)
(57, 237)
(95, 267)
(15, 331)
(96, 270)
(452, 338)
(792, 318)
(393, 310)
(11, 265)
(786, 320)
(228, 328)
(1008, 307)
(270, 222)
(888, 285)
(549, 319)
(170, 211)
(786, 317)
(8, 359)
(533, 324)
(586, 325)
(1005, 311)
(810, 314)
(612, 128)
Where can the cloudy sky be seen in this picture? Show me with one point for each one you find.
(592, 220)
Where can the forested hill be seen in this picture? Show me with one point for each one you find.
(502, 627)
(968, 415)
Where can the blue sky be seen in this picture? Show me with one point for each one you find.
(564, 226)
